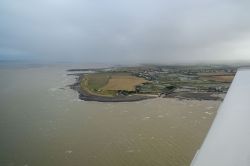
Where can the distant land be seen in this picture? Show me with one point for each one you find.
(125, 84)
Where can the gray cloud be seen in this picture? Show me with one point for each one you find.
(141, 31)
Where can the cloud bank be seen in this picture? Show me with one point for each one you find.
(131, 31)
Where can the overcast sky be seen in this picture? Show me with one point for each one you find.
(124, 31)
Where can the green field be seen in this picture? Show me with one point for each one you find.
(96, 81)
(110, 83)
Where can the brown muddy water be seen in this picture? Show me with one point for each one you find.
(42, 123)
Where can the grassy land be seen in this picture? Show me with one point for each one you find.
(221, 78)
(109, 83)
(125, 83)
(92, 83)
(96, 81)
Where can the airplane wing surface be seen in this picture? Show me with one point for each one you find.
(228, 140)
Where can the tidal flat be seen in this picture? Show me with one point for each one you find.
(42, 122)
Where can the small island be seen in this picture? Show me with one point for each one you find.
(126, 84)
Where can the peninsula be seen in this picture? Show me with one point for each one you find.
(125, 84)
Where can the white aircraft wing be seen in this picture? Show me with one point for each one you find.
(228, 140)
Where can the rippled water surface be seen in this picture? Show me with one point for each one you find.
(42, 123)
